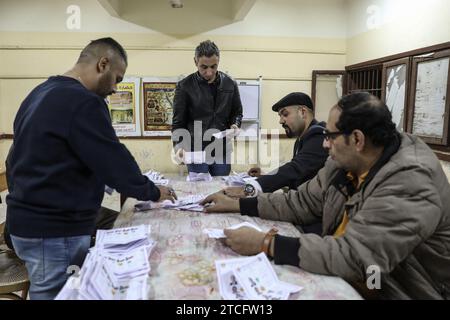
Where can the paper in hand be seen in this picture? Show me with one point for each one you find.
(218, 233)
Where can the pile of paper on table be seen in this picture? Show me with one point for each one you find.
(157, 178)
(251, 278)
(237, 179)
(117, 268)
(199, 176)
(187, 203)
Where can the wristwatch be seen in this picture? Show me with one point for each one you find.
(249, 190)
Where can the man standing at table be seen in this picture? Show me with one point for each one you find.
(384, 201)
(206, 99)
(64, 152)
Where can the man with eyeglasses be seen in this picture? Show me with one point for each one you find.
(384, 202)
(296, 112)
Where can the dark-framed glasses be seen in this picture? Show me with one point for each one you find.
(331, 135)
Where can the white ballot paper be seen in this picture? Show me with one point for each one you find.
(194, 157)
(187, 203)
(251, 278)
(238, 179)
(218, 233)
(199, 176)
(157, 178)
(229, 133)
(117, 268)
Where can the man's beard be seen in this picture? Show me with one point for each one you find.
(288, 131)
(103, 87)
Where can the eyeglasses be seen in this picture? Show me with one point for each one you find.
(331, 135)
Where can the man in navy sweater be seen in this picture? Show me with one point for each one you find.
(65, 150)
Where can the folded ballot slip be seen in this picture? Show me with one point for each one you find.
(251, 278)
(218, 233)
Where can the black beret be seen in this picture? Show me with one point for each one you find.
(294, 99)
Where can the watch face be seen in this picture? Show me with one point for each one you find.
(249, 189)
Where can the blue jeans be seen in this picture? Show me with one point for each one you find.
(47, 260)
(215, 169)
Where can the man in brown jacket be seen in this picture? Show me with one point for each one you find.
(385, 205)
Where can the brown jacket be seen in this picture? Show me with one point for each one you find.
(398, 221)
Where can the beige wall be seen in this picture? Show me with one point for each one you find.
(272, 41)
(378, 28)
(284, 56)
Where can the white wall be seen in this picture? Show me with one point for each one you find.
(284, 18)
(378, 28)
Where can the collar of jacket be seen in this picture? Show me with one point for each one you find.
(346, 187)
(217, 81)
(315, 127)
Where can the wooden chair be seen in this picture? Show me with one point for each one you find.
(13, 273)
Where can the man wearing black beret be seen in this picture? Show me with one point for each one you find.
(296, 112)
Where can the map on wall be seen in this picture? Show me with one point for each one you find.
(395, 93)
(158, 105)
(430, 98)
(124, 108)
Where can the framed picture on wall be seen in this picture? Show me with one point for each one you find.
(158, 94)
(395, 79)
(123, 107)
(326, 89)
(429, 115)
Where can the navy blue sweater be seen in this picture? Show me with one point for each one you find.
(65, 150)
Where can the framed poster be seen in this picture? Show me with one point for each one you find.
(124, 107)
(326, 89)
(429, 116)
(395, 80)
(158, 94)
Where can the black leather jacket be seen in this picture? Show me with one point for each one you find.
(194, 101)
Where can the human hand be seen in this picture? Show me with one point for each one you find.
(167, 193)
(245, 241)
(254, 172)
(179, 156)
(222, 203)
(235, 128)
(234, 192)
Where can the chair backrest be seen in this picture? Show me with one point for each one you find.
(3, 182)
(2, 236)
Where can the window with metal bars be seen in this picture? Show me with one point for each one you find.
(365, 80)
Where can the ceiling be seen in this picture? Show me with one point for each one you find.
(194, 16)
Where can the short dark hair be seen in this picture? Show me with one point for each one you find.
(95, 46)
(369, 114)
(207, 49)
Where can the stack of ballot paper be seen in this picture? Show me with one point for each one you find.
(237, 179)
(251, 278)
(157, 178)
(199, 176)
(116, 268)
(218, 233)
(188, 203)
